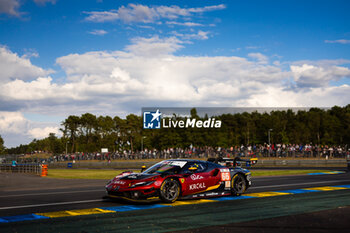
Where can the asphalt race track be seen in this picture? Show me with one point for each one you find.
(26, 194)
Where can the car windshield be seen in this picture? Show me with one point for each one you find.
(166, 166)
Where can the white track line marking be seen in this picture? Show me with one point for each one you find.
(284, 185)
(36, 194)
(50, 204)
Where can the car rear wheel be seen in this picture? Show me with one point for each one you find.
(169, 190)
(238, 184)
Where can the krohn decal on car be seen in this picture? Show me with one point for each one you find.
(197, 186)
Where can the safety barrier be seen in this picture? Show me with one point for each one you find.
(34, 168)
(261, 163)
(44, 170)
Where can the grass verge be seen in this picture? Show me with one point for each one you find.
(108, 174)
(83, 173)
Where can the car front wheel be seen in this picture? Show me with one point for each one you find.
(169, 190)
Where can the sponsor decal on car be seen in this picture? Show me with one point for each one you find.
(196, 177)
(211, 194)
(197, 186)
(119, 182)
(178, 163)
(123, 174)
(225, 176)
(182, 180)
(225, 170)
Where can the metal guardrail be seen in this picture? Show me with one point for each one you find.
(34, 168)
(302, 163)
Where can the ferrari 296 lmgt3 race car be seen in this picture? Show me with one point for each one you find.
(180, 178)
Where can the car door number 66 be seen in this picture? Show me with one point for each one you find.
(225, 176)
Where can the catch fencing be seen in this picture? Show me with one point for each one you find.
(34, 168)
(277, 163)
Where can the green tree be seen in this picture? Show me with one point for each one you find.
(70, 130)
(88, 124)
(2, 147)
(54, 144)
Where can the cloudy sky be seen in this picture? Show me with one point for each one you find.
(112, 57)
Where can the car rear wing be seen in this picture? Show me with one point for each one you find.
(234, 162)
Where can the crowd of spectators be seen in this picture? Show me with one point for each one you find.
(274, 150)
(278, 150)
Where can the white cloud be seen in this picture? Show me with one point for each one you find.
(314, 97)
(137, 13)
(148, 73)
(12, 122)
(307, 76)
(261, 58)
(187, 24)
(252, 47)
(200, 35)
(207, 8)
(9, 7)
(40, 133)
(43, 2)
(102, 16)
(41, 88)
(341, 41)
(98, 32)
(30, 53)
(327, 63)
(16, 129)
(13, 67)
(154, 46)
(146, 14)
(173, 12)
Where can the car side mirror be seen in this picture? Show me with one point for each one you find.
(143, 168)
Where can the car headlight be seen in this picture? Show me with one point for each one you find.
(144, 183)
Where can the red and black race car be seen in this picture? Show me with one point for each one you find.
(180, 178)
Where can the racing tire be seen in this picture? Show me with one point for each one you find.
(238, 184)
(169, 190)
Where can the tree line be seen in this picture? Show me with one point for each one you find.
(90, 133)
